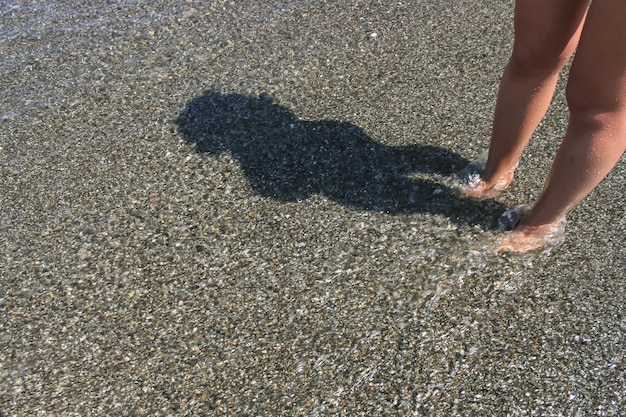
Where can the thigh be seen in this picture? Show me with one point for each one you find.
(597, 80)
(547, 31)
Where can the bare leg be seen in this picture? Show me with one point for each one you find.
(596, 133)
(546, 35)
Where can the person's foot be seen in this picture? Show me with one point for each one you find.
(512, 217)
(479, 189)
(473, 186)
(525, 238)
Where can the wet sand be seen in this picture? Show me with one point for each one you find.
(246, 209)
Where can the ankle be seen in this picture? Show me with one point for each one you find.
(537, 219)
(499, 180)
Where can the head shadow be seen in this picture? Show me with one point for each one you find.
(289, 159)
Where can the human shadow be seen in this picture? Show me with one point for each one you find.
(289, 159)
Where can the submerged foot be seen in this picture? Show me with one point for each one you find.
(473, 186)
(479, 189)
(525, 238)
(512, 217)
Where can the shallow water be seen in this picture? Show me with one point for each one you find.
(94, 39)
(154, 259)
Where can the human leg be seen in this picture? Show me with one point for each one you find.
(546, 34)
(596, 135)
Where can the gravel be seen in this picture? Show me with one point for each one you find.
(247, 209)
